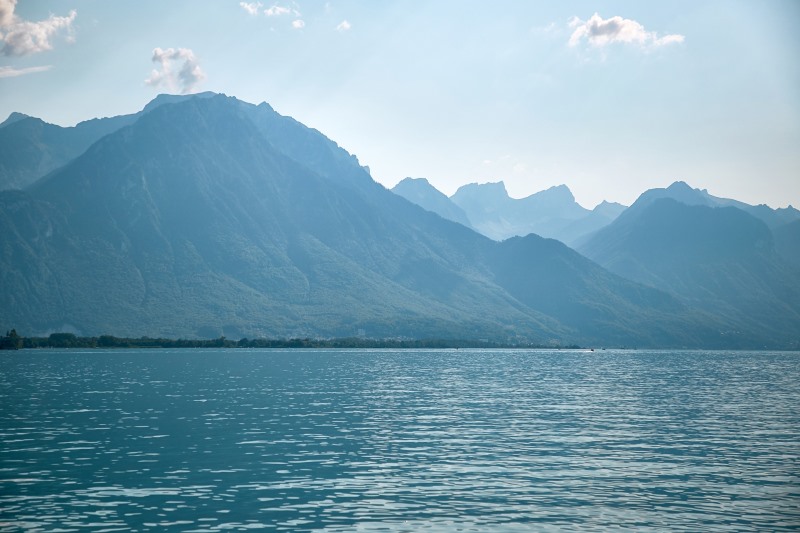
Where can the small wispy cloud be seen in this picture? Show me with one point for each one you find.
(11, 72)
(185, 77)
(251, 7)
(277, 11)
(599, 32)
(23, 37)
(343, 26)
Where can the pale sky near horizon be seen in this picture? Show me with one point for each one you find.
(608, 97)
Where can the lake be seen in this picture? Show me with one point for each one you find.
(399, 440)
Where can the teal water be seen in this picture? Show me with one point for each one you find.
(377, 440)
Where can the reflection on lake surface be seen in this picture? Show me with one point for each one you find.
(468, 440)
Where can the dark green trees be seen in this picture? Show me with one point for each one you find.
(11, 341)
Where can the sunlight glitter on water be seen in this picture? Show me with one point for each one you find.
(399, 441)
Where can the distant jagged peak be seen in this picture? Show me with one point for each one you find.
(14, 117)
(605, 203)
(265, 106)
(409, 179)
(418, 190)
(609, 208)
(494, 189)
(497, 190)
(556, 192)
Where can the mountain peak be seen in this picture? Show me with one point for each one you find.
(679, 191)
(495, 189)
(164, 98)
(14, 117)
(410, 181)
(560, 193)
(421, 192)
(680, 185)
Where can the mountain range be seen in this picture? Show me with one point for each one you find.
(203, 215)
(489, 209)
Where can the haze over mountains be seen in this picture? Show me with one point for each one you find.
(204, 216)
(489, 209)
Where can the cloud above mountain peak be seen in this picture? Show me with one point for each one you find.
(184, 78)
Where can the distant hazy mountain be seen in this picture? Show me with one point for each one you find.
(599, 217)
(685, 194)
(208, 216)
(719, 259)
(551, 213)
(425, 195)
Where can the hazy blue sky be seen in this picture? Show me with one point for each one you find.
(611, 98)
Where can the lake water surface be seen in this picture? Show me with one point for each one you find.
(382, 440)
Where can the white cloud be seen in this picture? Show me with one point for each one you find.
(343, 26)
(23, 37)
(277, 11)
(7, 12)
(298, 24)
(11, 72)
(601, 32)
(669, 39)
(251, 7)
(184, 78)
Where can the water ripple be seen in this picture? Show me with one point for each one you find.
(464, 440)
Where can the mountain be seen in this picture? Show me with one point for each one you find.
(31, 148)
(599, 217)
(209, 216)
(12, 118)
(721, 260)
(787, 242)
(425, 195)
(551, 213)
(685, 194)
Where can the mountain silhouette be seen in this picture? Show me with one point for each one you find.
(425, 195)
(550, 213)
(208, 216)
(719, 259)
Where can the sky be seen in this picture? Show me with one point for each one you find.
(609, 98)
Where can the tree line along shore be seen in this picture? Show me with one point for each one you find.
(13, 341)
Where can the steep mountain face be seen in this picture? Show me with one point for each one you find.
(425, 195)
(547, 274)
(719, 259)
(204, 220)
(209, 216)
(787, 242)
(551, 213)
